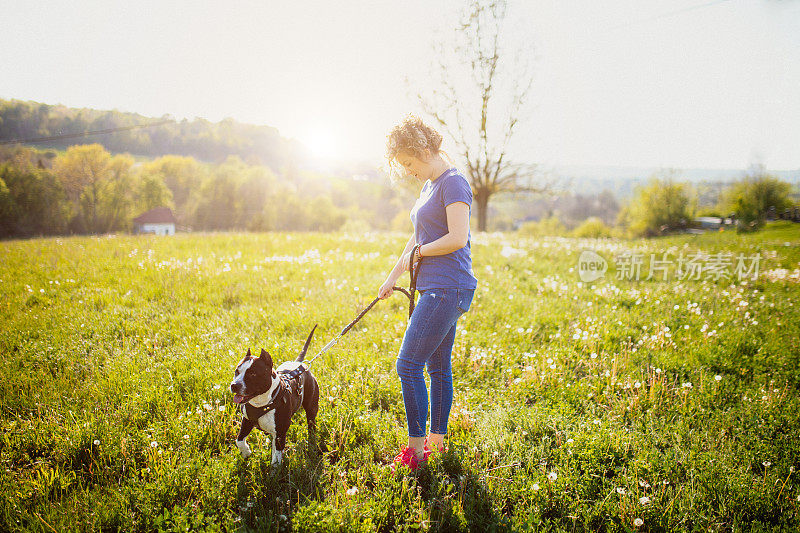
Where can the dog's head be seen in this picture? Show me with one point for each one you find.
(253, 376)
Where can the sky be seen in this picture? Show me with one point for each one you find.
(647, 83)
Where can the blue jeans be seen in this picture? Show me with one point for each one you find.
(428, 341)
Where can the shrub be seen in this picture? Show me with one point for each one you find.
(660, 207)
(592, 227)
(547, 226)
(752, 198)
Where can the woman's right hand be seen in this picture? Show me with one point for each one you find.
(386, 289)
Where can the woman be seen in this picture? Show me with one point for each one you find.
(445, 281)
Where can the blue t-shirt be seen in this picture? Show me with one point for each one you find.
(453, 270)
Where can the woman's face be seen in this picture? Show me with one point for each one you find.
(414, 166)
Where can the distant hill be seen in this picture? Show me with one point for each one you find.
(623, 180)
(199, 138)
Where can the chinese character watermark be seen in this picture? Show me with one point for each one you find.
(697, 266)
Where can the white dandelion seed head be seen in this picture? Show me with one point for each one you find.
(638, 522)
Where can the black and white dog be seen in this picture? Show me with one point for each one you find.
(268, 398)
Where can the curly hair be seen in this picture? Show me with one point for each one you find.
(412, 136)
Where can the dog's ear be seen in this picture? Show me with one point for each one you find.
(266, 357)
(248, 353)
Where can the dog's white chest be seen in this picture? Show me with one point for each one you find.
(267, 422)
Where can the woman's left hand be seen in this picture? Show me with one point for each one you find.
(407, 260)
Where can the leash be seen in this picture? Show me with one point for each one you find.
(411, 294)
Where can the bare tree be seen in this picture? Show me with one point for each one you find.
(479, 98)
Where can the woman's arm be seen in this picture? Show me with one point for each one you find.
(400, 266)
(457, 232)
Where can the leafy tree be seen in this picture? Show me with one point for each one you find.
(751, 199)
(116, 196)
(258, 185)
(182, 175)
(82, 171)
(322, 215)
(152, 192)
(218, 203)
(660, 207)
(32, 202)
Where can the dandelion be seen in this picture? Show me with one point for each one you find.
(637, 385)
(676, 307)
(570, 441)
(638, 522)
(207, 406)
(621, 490)
(216, 387)
(718, 377)
(593, 356)
(186, 437)
(154, 444)
(96, 442)
(536, 487)
(766, 464)
(352, 491)
(597, 421)
(644, 500)
(221, 408)
(552, 476)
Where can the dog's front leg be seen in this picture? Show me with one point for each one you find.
(278, 444)
(241, 439)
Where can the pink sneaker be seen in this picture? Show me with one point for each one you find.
(440, 449)
(408, 457)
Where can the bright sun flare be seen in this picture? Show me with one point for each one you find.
(320, 142)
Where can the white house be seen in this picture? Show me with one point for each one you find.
(159, 221)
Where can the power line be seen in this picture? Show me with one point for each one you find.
(668, 14)
(84, 133)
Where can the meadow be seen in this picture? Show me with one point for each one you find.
(614, 405)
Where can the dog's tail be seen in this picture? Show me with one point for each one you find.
(305, 348)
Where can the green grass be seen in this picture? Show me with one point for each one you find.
(117, 353)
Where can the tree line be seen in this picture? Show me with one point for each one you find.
(87, 190)
(198, 138)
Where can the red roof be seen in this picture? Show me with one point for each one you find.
(159, 215)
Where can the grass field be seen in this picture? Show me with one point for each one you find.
(617, 405)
